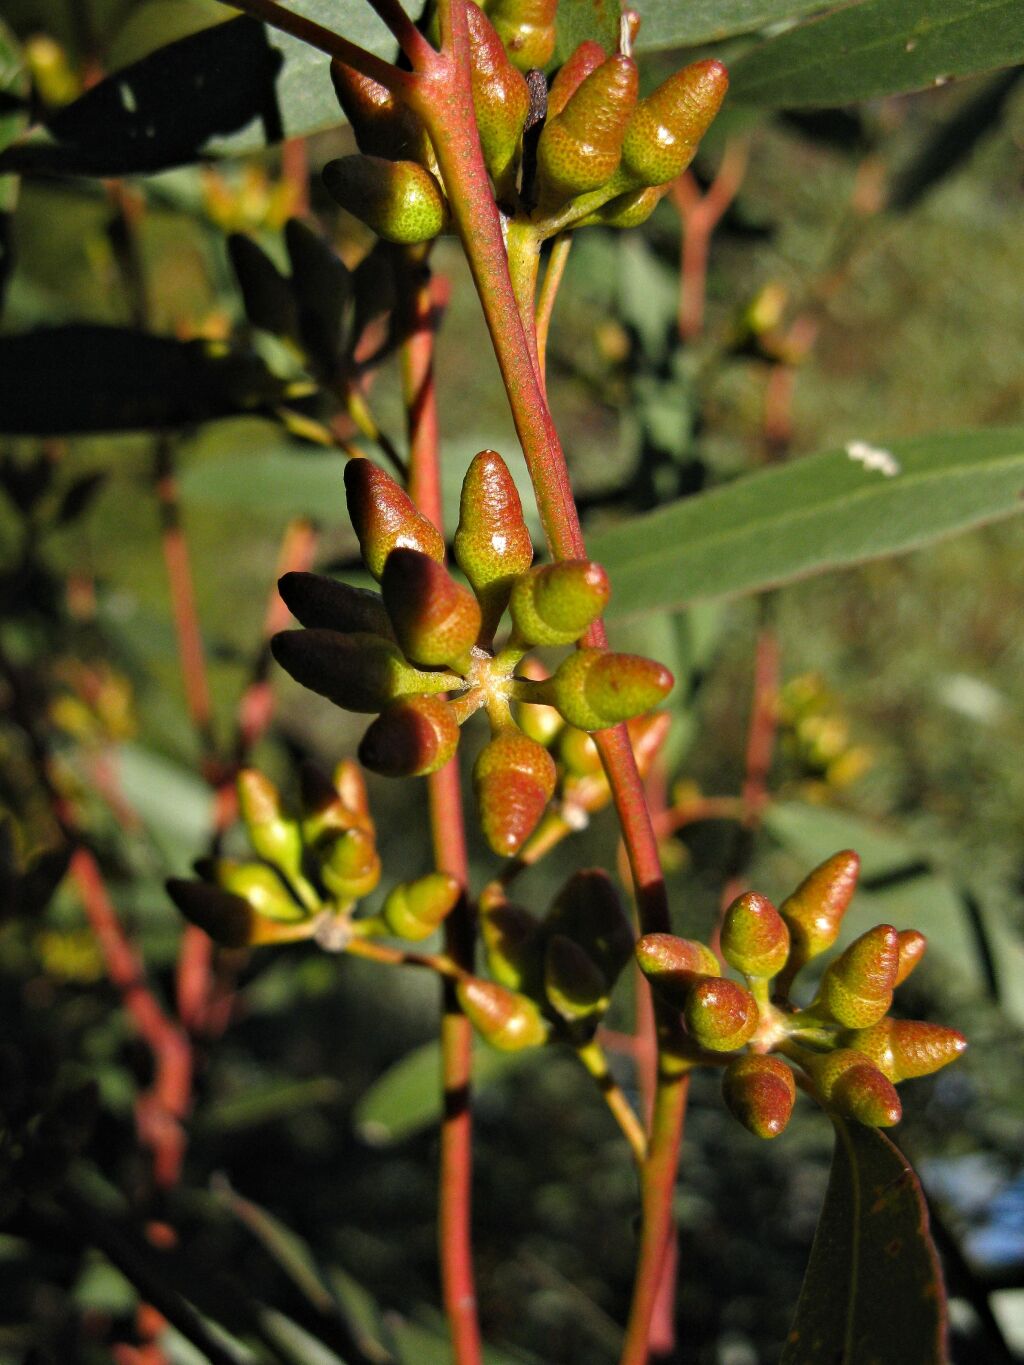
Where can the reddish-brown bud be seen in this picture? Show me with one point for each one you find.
(503, 1018)
(500, 97)
(436, 620)
(383, 124)
(492, 544)
(667, 126)
(905, 1048)
(855, 1087)
(411, 738)
(514, 779)
(580, 148)
(755, 939)
(760, 1092)
(554, 604)
(720, 1014)
(857, 987)
(357, 672)
(384, 517)
(527, 28)
(400, 200)
(594, 689)
(815, 910)
(413, 910)
(674, 965)
(573, 982)
(912, 947)
(512, 941)
(321, 602)
(588, 910)
(572, 73)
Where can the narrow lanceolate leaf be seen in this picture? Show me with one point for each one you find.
(880, 47)
(873, 1289)
(816, 514)
(667, 23)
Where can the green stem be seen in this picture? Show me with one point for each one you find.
(593, 1058)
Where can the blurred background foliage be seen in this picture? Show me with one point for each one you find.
(863, 284)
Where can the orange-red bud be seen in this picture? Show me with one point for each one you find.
(554, 604)
(580, 148)
(411, 738)
(321, 602)
(514, 779)
(527, 28)
(572, 73)
(760, 1092)
(855, 1087)
(383, 124)
(503, 1018)
(594, 689)
(665, 130)
(356, 672)
(413, 910)
(912, 947)
(755, 939)
(815, 910)
(720, 1014)
(905, 1048)
(384, 517)
(500, 97)
(675, 965)
(400, 200)
(857, 987)
(436, 620)
(492, 544)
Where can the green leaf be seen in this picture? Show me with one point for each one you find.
(880, 47)
(816, 514)
(58, 381)
(288, 480)
(268, 1102)
(13, 118)
(669, 23)
(873, 1289)
(408, 1095)
(578, 21)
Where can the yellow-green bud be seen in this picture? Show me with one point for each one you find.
(414, 910)
(400, 200)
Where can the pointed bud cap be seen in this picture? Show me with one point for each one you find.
(903, 1049)
(436, 620)
(512, 941)
(261, 887)
(411, 738)
(587, 57)
(857, 987)
(594, 689)
(350, 784)
(349, 865)
(228, 919)
(580, 148)
(588, 910)
(384, 517)
(323, 603)
(514, 779)
(360, 673)
(755, 939)
(492, 543)
(554, 604)
(667, 127)
(855, 1087)
(527, 29)
(675, 965)
(400, 200)
(383, 124)
(815, 910)
(323, 807)
(501, 100)
(573, 982)
(273, 837)
(720, 1014)
(506, 1020)
(912, 947)
(413, 910)
(760, 1092)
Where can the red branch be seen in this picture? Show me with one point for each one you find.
(700, 215)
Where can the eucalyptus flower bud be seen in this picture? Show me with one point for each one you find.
(400, 200)
(414, 910)
(554, 604)
(503, 1018)
(384, 517)
(760, 1092)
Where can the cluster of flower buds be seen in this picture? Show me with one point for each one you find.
(308, 872)
(550, 977)
(603, 155)
(847, 1049)
(421, 654)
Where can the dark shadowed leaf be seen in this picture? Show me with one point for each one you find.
(880, 47)
(873, 1289)
(13, 88)
(815, 514)
(62, 380)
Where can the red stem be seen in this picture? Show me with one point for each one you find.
(700, 215)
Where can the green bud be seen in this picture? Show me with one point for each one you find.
(588, 910)
(854, 1086)
(323, 603)
(857, 987)
(594, 689)
(324, 809)
(760, 1092)
(755, 939)
(903, 1049)
(492, 544)
(674, 965)
(273, 838)
(627, 210)
(411, 738)
(720, 1014)
(500, 98)
(580, 148)
(506, 1020)
(514, 779)
(554, 604)
(667, 126)
(436, 620)
(527, 28)
(384, 517)
(357, 672)
(261, 887)
(349, 865)
(573, 982)
(815, 910)
(578, 752)
(414, 910)
(400, 200)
